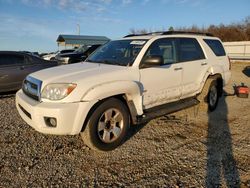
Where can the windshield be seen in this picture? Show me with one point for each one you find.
(120, 52)
(81, 49)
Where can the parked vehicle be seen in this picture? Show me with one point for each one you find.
(127, 81)
(31, 53)
(15, 66)
(77, 56)
(51, 56)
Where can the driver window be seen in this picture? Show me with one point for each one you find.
(165, 48)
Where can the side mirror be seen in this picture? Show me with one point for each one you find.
(152, 61)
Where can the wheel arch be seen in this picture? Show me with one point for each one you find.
(213, 73)
(218, 78)
(123, 98)
(130, 93)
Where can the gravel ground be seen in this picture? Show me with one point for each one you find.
(179, 150)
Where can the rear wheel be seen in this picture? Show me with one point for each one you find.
(108, 125)
(212, 97)
(209, 96)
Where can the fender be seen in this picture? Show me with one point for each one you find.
(131, 89)
(216, 70)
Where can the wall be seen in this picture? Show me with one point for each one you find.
(238, 50)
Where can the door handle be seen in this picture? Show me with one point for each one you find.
(179, 68)
(203, 64)
(22, 68)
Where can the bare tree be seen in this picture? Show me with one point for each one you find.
(239, 31)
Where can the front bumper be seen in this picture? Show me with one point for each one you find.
(70, 116)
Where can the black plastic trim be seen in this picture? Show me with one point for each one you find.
(25, 111)
(168, 108)
(171, 33)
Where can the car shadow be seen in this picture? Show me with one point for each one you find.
(220, 159)
(133, 130)
(221, 164)
(7, 94)
(246, 71)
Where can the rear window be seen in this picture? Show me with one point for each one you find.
(190, 50)
(216, 47)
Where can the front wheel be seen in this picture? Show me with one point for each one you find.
(108, 125)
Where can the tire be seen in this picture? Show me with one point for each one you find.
(213, 96)
(209, 96)
(107, 126)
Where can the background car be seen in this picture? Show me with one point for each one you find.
(31, 53)
(78, 55)
(15, 66)
(52, 56)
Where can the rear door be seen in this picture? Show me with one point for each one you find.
(11, 72)
(194, 64)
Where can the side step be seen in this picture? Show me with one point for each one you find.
(166, 109)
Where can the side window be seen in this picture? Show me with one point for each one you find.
(5, 59)
(11, 59)
(32, 59)
(190, 50)
(216, 47)
(165, 48)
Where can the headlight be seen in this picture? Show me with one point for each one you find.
(63, 60)
(66, 60)
(56, 92)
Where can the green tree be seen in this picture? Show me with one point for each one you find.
(171, 28)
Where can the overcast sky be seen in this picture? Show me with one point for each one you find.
(35, 24)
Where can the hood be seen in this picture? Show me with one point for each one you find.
(73, 72)
(86, 75)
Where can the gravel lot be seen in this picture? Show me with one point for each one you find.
(179, 150)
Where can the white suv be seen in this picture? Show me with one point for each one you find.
(125, 82)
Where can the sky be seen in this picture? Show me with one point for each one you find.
(34, 25)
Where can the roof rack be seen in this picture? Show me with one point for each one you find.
(186, 32)
(170, 33)
(134, 35)
(152, 33)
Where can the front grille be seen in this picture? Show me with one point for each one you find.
(32, 87)
(31, 95)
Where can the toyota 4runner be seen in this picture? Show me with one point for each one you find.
(127, 81)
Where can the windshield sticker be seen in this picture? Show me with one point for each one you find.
(138, 42)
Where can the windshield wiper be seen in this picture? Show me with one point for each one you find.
(89, 60)
(106, 62)
(113, 63)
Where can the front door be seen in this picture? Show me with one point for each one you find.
(161, 84)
